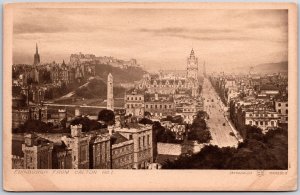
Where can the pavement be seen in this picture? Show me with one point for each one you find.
(218, 123)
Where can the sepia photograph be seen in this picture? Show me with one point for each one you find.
(150, 88)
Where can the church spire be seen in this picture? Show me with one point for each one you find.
(36, 59)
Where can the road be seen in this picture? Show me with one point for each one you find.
(217, 122)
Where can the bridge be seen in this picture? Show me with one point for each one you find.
(80, 106)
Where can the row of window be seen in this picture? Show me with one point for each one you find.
(133, 105)
(257, 123)
(189, 110)
(123, 159)
(134, 98)
(279, 111)
(122, 149)
(262, 115)
(279, 105)
(159, 106)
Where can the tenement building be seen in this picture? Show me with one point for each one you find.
(254, 113)
(142, 142)
(281, 107)
(134, 103)
(100, 151)
(159, 104)
(122, 151)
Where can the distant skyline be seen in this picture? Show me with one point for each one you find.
(157, 38)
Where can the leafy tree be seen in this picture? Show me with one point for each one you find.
(161, 134)
(198, 129)
(145, 121)
(35, 126)
(147, 114)
(107, 116)
(258, 151)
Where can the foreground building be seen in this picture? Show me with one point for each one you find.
(37, 152)
(142, 141)
(79, 143)
(122, 152)
(100, 152)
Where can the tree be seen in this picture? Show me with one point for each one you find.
(107, 116)
(145, 121)
(161, 134)
(84, 121)
(201, 114)
(147, 114)
(258, 151)
(35, 126)
(198, 129)
(202, 136)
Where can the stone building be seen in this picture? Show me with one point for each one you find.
(79, 143)
(62, 74)
(38, 113)
(159, 104)
(38, 94)
(188, 111)
(37, 152)
(17, 153)
(134, 103)
(281, 107)
(254, 113)
(19, 117)
(261, 117)
(170, 82)
(192, 66)
(100, 152)
(122, 151)
(142, 142)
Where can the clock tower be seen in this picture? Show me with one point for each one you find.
(192, 66)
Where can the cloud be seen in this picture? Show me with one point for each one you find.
(229, 36)
(185, 30)
(214, 34)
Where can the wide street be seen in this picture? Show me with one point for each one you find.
(217, 123)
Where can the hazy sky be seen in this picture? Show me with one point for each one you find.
(157, 38)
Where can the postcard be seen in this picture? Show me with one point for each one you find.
(150, 97)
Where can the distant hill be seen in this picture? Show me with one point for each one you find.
(272, 67)
(263, 68)
(128, 75)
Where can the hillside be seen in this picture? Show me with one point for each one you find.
(264, 68)
(128, 75)
(97, 88)
(272, 67)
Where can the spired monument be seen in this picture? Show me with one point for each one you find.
(110, 93)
